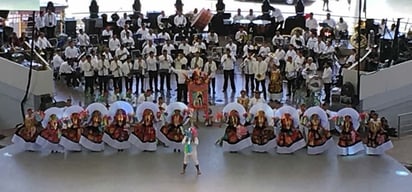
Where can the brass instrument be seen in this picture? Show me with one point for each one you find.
(355, 38)
(297, 30)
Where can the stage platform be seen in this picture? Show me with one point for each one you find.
(158, 171)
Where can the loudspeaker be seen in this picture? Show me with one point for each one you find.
(385, 50)
(70, 28)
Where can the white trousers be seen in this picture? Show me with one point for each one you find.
(192, 155)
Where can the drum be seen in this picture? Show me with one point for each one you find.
(202, 19)
(261, 27)
(244, 23)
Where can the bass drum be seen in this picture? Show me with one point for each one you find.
(202, 19)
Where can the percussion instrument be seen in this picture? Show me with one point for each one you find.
(243, 22)
(202, 19)
(261, 26)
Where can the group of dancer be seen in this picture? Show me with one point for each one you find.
(288, 130)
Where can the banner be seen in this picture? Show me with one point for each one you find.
(20, 5)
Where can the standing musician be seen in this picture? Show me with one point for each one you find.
(127, 74)
(116, 72)
(103, 67)
(260, 69)
(138, 70)
(248, 68)
(210, 70)
(88, 70)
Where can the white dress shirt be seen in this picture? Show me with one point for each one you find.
(115, 68)
(240, 36)
(342, 26)
(151, 63)
(103, 67)
(143, 98)
(237, 18)
(246, 49)
(330, 22)
(139, 65)
(114, 44)
(147, 49)
(327, 75)
(312, 41)
(39, 22)
(290, 53)
(165, 62)
(42, 43)
(168, 48)
(312, 24)
(248, 65)
(123, 33)
(107, 33)
(185, 48)
(228, 62)
(71, 52)
(295, 39)
(210, 69)
(180, 20)
(126, 68)
(319, 47)
(87, 68)
(108, 55)
(50, 20)
(122, 54)
(277, 14)
(264, 51)
(280, 54)
(179, 62)
(254, 101)
(232, 47)
(250, 17)
(196, 61)
(57, 61)
(260, 69)
(212, 38)
(129, 41)
(65, 68)
(142, 33)
(181, 75)
(278, 40)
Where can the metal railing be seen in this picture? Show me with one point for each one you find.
(407, 123)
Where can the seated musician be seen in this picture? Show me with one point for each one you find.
(107, 33)
(236, 18)
(329, 21)
(212, 39)
(128, 41)
(180, 21)
(342, 29)
(251, 16)
(169, 47)
(42, 44)
(278, 40)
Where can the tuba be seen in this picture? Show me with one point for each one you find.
(296, 30)
(355, 38)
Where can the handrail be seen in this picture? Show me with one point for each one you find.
(361, 60)
(38, 56)
(399, 121)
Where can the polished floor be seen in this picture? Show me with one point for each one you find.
(158, 171)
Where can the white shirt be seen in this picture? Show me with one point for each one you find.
(179, 62)
(250, 17)
(212, 38)
(87, 68)
(125, 68)
(50, 20)
(39, 22)
(107, 33)
(128, 41)
(103, 67)
(290, 53)
(232, 47)
(57, 61)
(122, 21)
(114, 44)
(65, 68)
(83, 39)
(108, 55)
(122, 54)
(342, 26)
(312, 24)
(115, 68)
(139, 65)
(142, 33)
(181, 75)
(210, 68)
(180, 20)
(246, 49)
(295, 39)
(248, 65)
(277, 14)
(260, 69)
(237, 18)
(185, 48)
(264, 51)
(143, 98)
(163, 106)
(240, 36)
(160, 24)
(290, 67)
(150, 37)
(278, 40)
(254, 101)
(164, 36)
(196, 61)
(71, 52)
(312, 41)
(299, 61)
(280, 54)
(151, 63)
(165, 62)
(123, 33)
(147, 49)
(319, 47)
(168, 48)
(327, 75)
(228, 62)
(330, 22)
(351, 59)
(43, 43)
(329, 49)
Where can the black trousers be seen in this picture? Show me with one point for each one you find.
(50, 32)
(229, 74)
(117, 83)
(182, 93)
(89, 85)
(139, 77)
(103, 84)
(212, 86)
(250, 79)
(291, 85)
(163, 76)
(69, 78)
(263, 84)
(327, 87)
(153, 80)
(128, 81)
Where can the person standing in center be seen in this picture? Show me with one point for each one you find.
(228, 61)
(327, 81)
(260, 69)
(165, 64)
(248, 68)
(88, 70)
(151, 63)
(182, 75)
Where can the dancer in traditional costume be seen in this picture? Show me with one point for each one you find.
(236, 136)
(171, 134)
(25, 137)
(49, 137)
(92, 135)
(72, 128)
(190, 143)
(378, 139)
(290, 139)
(319, 138)
(244, 100)
(275, 84)
(144, 131)
(348, 123)
(116, 134)
(263, 134)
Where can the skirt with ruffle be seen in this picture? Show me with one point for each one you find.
(144, 146)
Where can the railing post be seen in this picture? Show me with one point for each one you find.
(399, 126)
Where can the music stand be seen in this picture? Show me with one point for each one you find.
(159, 41)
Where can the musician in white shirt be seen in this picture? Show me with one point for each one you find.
(67, 71)
(329, 49)
(122, 21)
(107, 32)
(327, 81)
(212, 39)
(280, 53)
(71, 52)
(164, 36)
(197, 61)
(297, 40)
(185, 47)
(248, 48)
(309, 70)
(127, 74)
(180, 20)
(210, 70)
(236, 18)
(248, 66)
(331, 22)
(165, 64)
(39, 22)
(180, 61)
(151, 63)
(291, 74)
(150, 36)
(228, 62)
(199, 45)
(122, 53)
(114, 44)
(312, 23)
(103, 68)
(311, 43)
(278, 40)
(182, 75)
(146, 97)
(83, 39)
(160, 24)
(88, 70)
(278, 16)
(50, 22)
(232, 47)
(141, 35)
(128, 41)
(256, 99)
(320, 46)
(290, 53)
(250, 16)
(116, 72)
(299, 62)
(169, 47)
(139, 70)
(149, 48)
(57, 61)
(264, 50)
(260, 69)
(241, 36)
(42, 43)
(342, 28)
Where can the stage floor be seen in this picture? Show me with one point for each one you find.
(159, 171)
